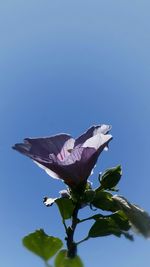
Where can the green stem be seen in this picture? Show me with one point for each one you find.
(83, 240)
(65, 226)
(71, 245)
(86, 219)
(90, 218)
(96, 218)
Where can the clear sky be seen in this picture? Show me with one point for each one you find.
(65, 65)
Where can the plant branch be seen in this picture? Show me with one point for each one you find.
(90, 218)
(71, 245)
(65, 226)
(83, 240)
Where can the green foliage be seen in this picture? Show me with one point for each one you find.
(121, 220)
(66, 207)
(62, 260)
(103, 200)
(42, 245)
(88, 196)
(110, 178)
(104, 227)
(115, 224)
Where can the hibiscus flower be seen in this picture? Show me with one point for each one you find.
(66, 158)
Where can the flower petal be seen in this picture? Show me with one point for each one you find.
(77, 168)
(60, 159)
(48, 201)
(97, 140)
(73, 171)
(56, 170)
(104, 129)
(42, 147)
(64, 194)
(47, 170)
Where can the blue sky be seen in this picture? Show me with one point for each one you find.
(66, 65)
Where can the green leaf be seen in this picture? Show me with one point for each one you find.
(115, 224)
(110, 178)
(103, 200)
(139, 218)
(62, 260)
(88, 196)
(66, 207)
(129, 236)
(42, 245)
(121, 220)
(104, 227)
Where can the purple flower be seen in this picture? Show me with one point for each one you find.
(61, 156)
